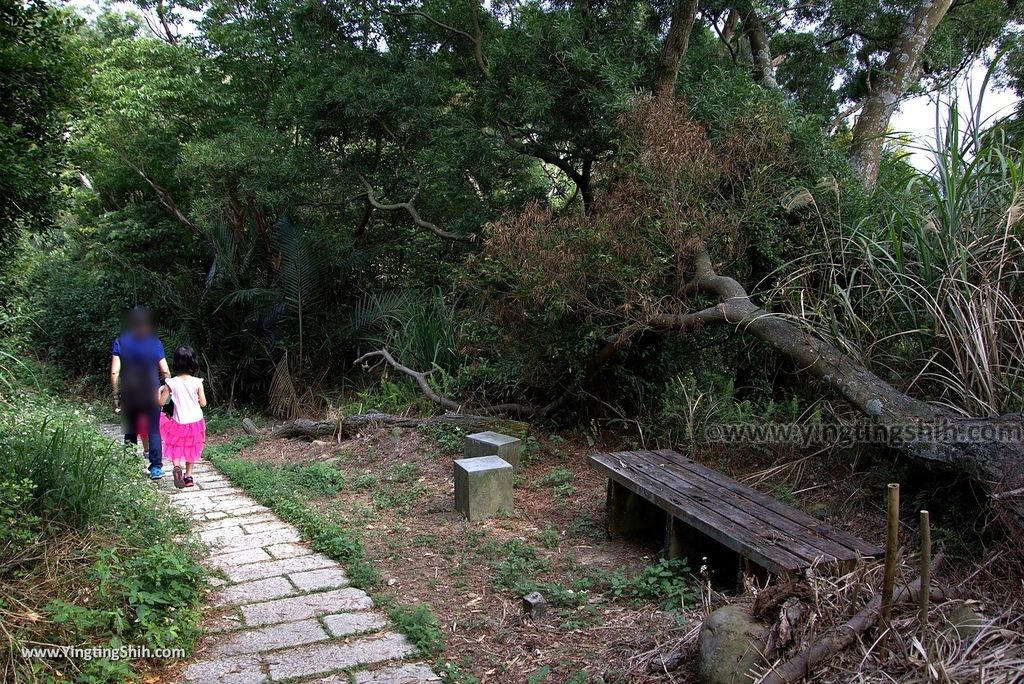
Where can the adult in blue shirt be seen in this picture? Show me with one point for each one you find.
(137, 369)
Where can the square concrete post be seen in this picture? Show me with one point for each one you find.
(483, 487)
(494, 444)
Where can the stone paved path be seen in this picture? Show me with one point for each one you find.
(283, 612)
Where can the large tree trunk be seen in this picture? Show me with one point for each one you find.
(760, 54)
(989, 451)
(674, 49)
(889, 87)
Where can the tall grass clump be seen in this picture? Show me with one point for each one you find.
(89, 554)
(420, 329)
(928, 289)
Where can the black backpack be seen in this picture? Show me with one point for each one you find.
(136, 384)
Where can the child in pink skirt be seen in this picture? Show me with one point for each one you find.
(185, 433)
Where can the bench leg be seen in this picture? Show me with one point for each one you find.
(723, 565)
(629, 514)
(682, 542)
(757, 573)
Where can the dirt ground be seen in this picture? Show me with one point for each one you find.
(399, 488)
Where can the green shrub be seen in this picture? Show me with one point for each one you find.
(319, 478)
(519, 563)
(667, 582)
(74, 474)
(18, 527)
(420, 626)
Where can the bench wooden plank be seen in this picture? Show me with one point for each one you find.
(828, 538)
(761, 531)
(642, 478)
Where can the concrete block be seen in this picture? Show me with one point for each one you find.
(483, 486)
(494, 444)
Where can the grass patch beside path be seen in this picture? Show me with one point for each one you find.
(88, 551)
(287, 491)
(291, 491)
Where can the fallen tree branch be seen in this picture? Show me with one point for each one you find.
(432, 395)
(800, 666)
(305, 428)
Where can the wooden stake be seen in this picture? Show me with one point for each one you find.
(926, 573)
(891, 542)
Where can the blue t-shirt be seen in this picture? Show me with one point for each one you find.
(143, 352)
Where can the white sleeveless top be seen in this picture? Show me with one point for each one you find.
(185, 394)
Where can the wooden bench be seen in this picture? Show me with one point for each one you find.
(712, 520)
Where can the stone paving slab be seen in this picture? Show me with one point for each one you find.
(240, 540)
(324, 658)
(411, 673)
(288, 550)
(264, 526)
(251, 592)
(271, 638)
(347, 624)
(249, 510)
(225, 532)
(225, 520)
(325, 578)
(225, 560)
(246, 669)
(247, 573)
(306, 606)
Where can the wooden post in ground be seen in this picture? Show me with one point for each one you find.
(891, 543)
(926, 574)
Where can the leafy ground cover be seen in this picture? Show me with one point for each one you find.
(453, 587)
(90, 556)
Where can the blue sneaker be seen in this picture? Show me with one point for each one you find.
(155, 473)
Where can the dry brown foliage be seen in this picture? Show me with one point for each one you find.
(668, 189)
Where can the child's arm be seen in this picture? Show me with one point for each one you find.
(202, 395)
(162, 395)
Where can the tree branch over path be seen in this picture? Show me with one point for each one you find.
(163, 195)
(410, 208)
(476, 38)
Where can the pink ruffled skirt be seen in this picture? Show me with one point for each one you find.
(182, 442)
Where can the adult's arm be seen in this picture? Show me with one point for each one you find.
(165, 372)
(115, 380)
